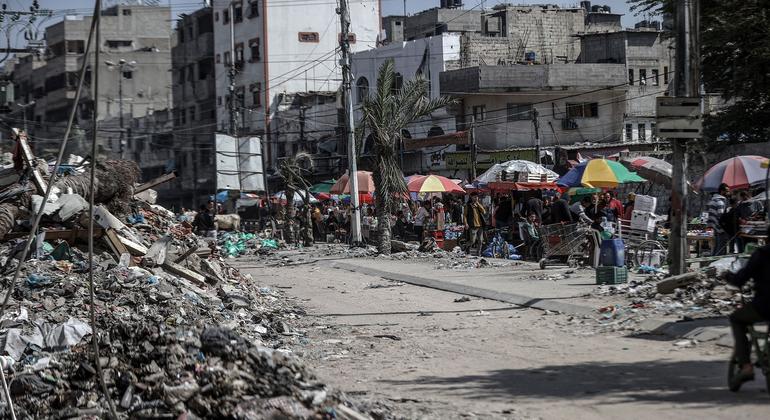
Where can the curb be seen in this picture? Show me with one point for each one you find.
(701, 330)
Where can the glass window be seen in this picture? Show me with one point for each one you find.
(479, 113)
(518, 112)
(642, 132)
(655, 77)
(642, 76)
(362, 88)
(629, 132)
(253, 8)
(631, 77)
(583, 110)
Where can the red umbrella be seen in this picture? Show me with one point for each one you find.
(365, 184)
(433, 184)
(738, 173)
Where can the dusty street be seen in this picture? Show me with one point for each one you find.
(416, 352)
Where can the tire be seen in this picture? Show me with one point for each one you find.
(732, 369)
(542, 264)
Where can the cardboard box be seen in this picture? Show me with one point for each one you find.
(645, 221)
(645, 203)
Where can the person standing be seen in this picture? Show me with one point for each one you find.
(578, 210)
(560, 212)
(474, 223)
(204, 224)
(535, 206)
(716, 208)
(420, 217)
(628, 208)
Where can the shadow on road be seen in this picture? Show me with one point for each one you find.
(694, 382)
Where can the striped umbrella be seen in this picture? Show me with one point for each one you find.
(653, 169)
(433, 184)
(598, 173)
(738, 173)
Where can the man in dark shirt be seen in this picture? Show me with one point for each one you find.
(560, 212)
(758, 268)
(204, 222)
(535, 206)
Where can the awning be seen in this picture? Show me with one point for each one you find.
(460, 138)
(522, 186)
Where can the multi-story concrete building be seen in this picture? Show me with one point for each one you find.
(195, 107)
(647, 55)
(278, 53)
(572, 103)
(138, 35)
(427, 57)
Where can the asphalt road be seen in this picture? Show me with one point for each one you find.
(416, 353)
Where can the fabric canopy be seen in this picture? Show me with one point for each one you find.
(598, 173)
(433, 184)
(740, 172)
(365, 184)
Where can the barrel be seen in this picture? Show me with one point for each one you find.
(612, 253)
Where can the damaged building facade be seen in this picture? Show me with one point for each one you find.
(277, 56)
(46, 80)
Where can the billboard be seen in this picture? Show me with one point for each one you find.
(239, 163)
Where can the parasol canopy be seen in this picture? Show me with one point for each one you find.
(598, 173)
(653, 169)
(323, 187)
(298, 196)
(365, 183)
(433, 184)
(740, 172)
(501, 171)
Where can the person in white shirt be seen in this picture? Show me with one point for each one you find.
(420, 218)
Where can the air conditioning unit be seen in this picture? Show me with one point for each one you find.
(569, 124)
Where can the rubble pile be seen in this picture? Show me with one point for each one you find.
(181, 333)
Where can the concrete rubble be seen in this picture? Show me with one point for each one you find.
(182, 334)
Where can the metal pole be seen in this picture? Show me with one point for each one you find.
(537, 134)
(686, 85)
(472, 133)
(120, 110)
(355, 222)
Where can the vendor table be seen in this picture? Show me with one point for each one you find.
(698, 240)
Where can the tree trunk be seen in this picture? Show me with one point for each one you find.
(308, 234)
(290, 218)
(382, 205)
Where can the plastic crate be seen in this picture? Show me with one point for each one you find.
(611, 275)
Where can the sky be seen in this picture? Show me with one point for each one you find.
(186, 6)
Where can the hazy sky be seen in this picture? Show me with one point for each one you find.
(186, 6)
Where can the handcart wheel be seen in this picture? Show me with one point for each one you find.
(542, 264)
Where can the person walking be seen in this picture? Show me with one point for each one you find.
(474, 222)
(716, 208)
(419, 220)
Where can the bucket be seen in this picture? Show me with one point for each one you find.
(612, 253)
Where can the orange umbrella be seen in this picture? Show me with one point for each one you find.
(365, 184)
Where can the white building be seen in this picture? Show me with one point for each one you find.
(425, 56)
(282, 48)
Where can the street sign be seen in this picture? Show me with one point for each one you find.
(678, 118)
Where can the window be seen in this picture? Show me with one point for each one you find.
(253, 8)
(518, 112)
(205, 68)
(479, 113)
(114, 44)
(225, 16)
(362, 89)
(398, 23)
(181, 35)
(435, 131)
(191, 72)
(240, 96)
(655, 77)
(126, 12)
(192, 113)
(182, 75)
(642, 77)
(665, 75)
(219, 100)
(191, 31)
(237, 12)
(76, 47)
(351, 38)
(398, 83)
(218, 58)
(239, 54)
(128, 74)
(308, 37)
(256, 95)
(629, 133)
(583, 110)
(227, 58)
(652, 130)
(254, 47)
(631, 77)
(281, 149)
(216, 16)
(642, 132)
(205, 25)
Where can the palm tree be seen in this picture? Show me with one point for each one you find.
(293, 172)
(386, 113)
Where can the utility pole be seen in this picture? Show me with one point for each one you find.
(472, 134)
(347, 92)
(122, 146)
(231, 74)
(536, 124)
(687, 85)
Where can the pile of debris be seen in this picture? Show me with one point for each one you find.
(181, 333)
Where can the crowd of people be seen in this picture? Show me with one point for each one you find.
(727, 211)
